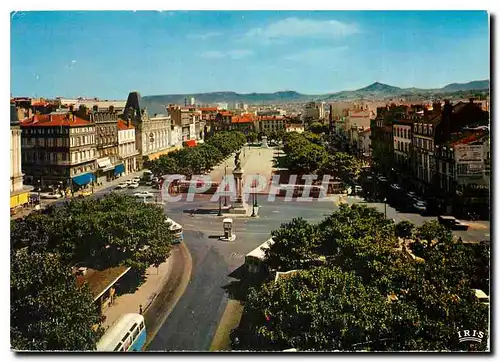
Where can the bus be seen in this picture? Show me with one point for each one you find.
(127, 334)
(176, 229)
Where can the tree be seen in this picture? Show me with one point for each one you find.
(433, 230)
(318, 128)
(320, 309)
(252, 137)
(294, 245)
(102, 233)
(404, 229)
(343, 166)
(48, 310)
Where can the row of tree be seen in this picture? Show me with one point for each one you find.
(199, 159)
(356, 288)
(48, 309)
(276, 136)
(305, 153)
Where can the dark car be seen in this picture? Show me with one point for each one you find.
(452, 223)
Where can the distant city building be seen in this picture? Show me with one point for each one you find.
(222, 106)
(294, 127)
(192, 101)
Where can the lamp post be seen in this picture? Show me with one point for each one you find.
(225, 175)
(39, 190)
(253, 207)
(255, 195)
(385, 207)
(220, 207)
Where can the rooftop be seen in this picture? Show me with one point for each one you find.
(54, 120)
(100, 281)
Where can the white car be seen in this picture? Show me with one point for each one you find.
(144, 194)
(50, 195)
(396, 187)
(133, 185)
(122, 185)
(136, 179)
(420, 206)
(128, 182)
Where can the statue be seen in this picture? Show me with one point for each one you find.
(237, 162)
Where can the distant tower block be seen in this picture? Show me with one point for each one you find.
(193, 101)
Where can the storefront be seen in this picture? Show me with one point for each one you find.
(83, 180)
(119, 170)
(105, 171)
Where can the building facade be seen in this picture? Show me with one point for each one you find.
(109, 164)
(59, 151)
(19, 193)
(126, 147)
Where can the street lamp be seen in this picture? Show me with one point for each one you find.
(253, 207)
(255, 195)
(220, 207)
(225, 175)
(385, 207)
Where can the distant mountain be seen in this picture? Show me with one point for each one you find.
(474, 85)
(157, 103)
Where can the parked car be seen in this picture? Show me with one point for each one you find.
(144, 194)
(396, 187)
(149, 183)
(122, 185)
(411, 195)
(86, 193)
(382, 179)
(136, 179)
(50, 195)
(128, 182)
(452, 223)
(133, 185)
(421, 206)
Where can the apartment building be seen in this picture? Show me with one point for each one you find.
(270, 124)
(58, 150)
(109, 164)
(127, 149)
(151, 133)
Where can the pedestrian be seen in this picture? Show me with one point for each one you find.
(140, 308)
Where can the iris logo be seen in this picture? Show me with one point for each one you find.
(470, 336)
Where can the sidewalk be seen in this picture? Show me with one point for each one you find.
(144, 296)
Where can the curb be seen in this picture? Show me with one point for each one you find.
(176, 295)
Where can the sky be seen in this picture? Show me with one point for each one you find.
(107, 54)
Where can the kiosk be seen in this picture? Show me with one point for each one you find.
(228, 230)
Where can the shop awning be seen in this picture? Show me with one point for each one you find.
(119, 169)
(105, 164)
(84, 179)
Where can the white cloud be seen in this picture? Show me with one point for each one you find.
(233, 54)
(294, 27)
(318, 54)
(204, 36)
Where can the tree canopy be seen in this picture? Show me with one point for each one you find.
(199, 159)
(371, 294)
(48, 310)
(107, 232)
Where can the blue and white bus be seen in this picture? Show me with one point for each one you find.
(176, 230)
(127, 334)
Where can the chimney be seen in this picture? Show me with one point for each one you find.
(128, 122)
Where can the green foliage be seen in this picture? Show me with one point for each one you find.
(48, 310)
(404, 229)
(301, 155)
(294, 245)
(371, 295)
(200, 159)
(343, 166)
(252, 137)
(115, 230)
(318, 128)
